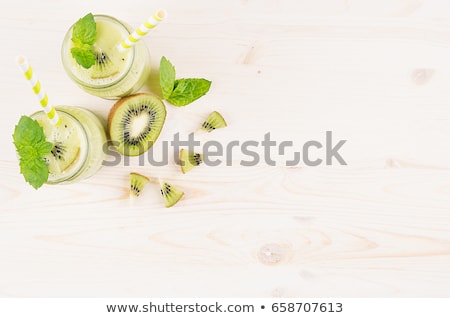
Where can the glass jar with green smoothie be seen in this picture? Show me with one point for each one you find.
(77, 144)
(93, 58)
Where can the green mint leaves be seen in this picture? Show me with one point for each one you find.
(166, 77)
(83, 55)
(85, 31)
(187, 90)
(31, 147)
(84, 34)
(183, 91)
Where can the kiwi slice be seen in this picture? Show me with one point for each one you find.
(106, 65)
(65, 151)
(135, 122)
(137, 183)
(214, 121)
(170, 194)
(189, 160)
(65, 156)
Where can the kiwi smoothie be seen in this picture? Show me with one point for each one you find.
(78, 141)
(115, 73)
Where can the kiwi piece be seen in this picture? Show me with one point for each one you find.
(106, 65)
(170, 194)
(135, 122)
(189, 160)
(137, 183)
(64, 156)
(214, 121)
(65, 151)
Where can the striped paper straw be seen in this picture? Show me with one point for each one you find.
(38, 91)
(145, 27)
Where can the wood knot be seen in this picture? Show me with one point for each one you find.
(421, 76)
(273, 254)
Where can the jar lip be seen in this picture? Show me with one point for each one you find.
(66, 55)
(84, 142)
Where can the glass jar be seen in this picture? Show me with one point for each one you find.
(116, 73)
(78, 143)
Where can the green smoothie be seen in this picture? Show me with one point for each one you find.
(78, 142)
(115, 73)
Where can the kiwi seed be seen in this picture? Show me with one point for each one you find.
(101, 58)
(58, 150)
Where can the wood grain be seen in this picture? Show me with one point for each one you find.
(375, 73)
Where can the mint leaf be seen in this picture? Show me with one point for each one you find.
(85, 30)
(83, 55)
(166, 77)
(44, 148)
(27, 152)
(35, 172)
(183, 91)
(84, 34)
(25, 132)
(31, 146)
(187, 90)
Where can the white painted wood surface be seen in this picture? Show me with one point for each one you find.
(376, 73)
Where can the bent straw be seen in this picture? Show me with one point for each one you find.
(143, 29)
(38, 91)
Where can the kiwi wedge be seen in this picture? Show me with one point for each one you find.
(65, 151)
(137, 183)
(189, 160)
(109, 61)
(170, 194)
(65, 156)
(135, 122)
(106, 65)
(214, 121)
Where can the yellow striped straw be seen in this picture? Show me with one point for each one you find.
(38, 91)
(143, 29)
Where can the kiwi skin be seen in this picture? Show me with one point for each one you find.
(119, 104)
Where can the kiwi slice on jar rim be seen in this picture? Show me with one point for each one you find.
(106, 65)
(66, 149)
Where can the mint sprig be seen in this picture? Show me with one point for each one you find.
(183, 91)
(84, 33)
(31, 146)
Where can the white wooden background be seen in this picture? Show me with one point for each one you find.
(375, 72)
